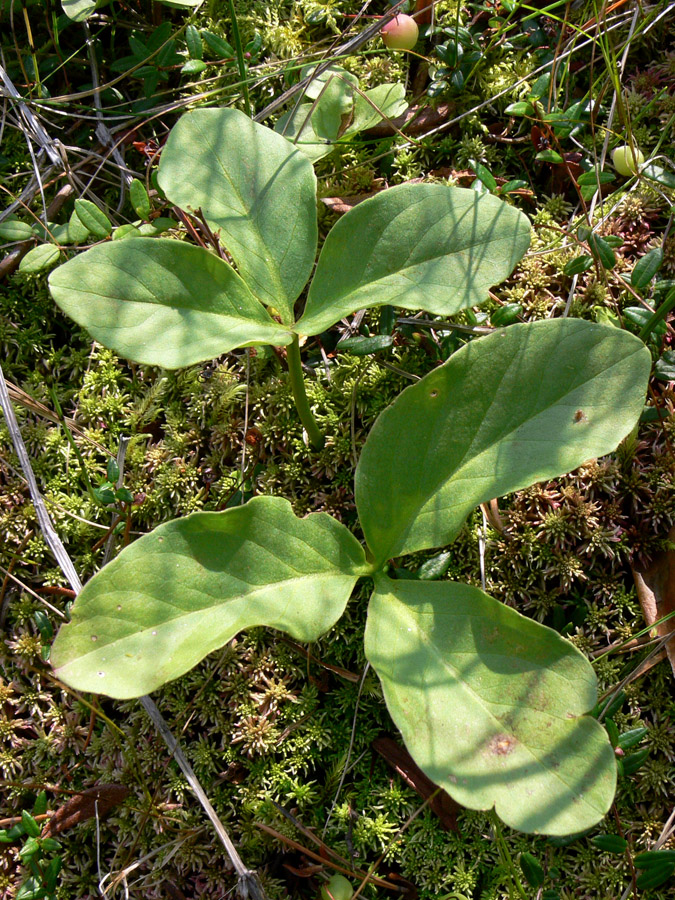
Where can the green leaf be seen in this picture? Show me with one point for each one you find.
(362, 346)
(521, 108)
(653, 858)
(661, 176)
(633, 761)
(77, 231)
(532, 870)
(217, 45)
(254, 187)
(417, 246)
(126, 231)
(30, 847)
(15, 230)
(506, 315)
(632, 737)
(646, 268)
(490, 705)
(162, 302)
(39, 258)
(578, 265)
(515, 184)
(655, 877)
(593, 178)
(193, 40)
(31, 889)
(335, 75)
(29, 823)
(297, 127)
(522, 405)
(602, 250)
(383, 101)
(78, 10)
(664, 369)
(93, 219)
(157, 226)
(40, 805)
(331, 105)
(610, 843)
(484, 175)
(189, 586)
(550, 156)
(139, 198)
(193, 67)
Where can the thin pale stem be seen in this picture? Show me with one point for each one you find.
(241, 62)
(314, 434)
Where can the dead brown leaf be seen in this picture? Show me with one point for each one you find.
(656, 592)
(97, 800)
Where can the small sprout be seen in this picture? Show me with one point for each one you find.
(626, 160)
(401, 33)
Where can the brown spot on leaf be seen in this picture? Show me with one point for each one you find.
(580, 416)
(502, 744)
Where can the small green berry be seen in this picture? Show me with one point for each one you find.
(338, 888)
(626, 161)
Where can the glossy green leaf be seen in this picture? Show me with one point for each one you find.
(532, 869)
(550, 156)
(418, 246)
(484, 175)
(646, 268)
(139, 198)
(632, 737)
(255, 188)
(93, 219)
(578, 265)
(39, 258)
(189, 586)
(658, 174)
(664, 369)
(610, 843)
(77, 231)
(217, 45)
(490, 705)
(193, 39)
(520, 108)
(602, 250)
(15, 230)
(359, 345)
(193, 67)
(521, 405)
(162, 302)
(653, 858)
(595, 177)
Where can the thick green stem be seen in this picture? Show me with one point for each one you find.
(316, 439)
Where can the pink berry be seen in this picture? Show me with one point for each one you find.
(400, 33)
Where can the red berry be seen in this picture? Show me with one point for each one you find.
(400, 33)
